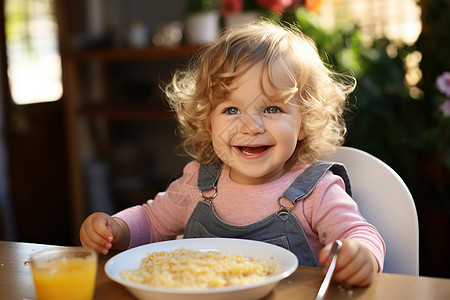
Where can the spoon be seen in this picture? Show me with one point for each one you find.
(326, 281)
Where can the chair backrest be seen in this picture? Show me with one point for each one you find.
(385, 201)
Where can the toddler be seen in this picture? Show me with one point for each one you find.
(259, 111)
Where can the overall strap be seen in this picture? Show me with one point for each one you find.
(302, 187)
(207, 176)
(305, 183)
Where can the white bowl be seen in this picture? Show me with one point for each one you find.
(286, 263)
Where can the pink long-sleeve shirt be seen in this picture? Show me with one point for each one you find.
(329, 213)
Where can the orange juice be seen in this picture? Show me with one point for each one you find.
(64, 275)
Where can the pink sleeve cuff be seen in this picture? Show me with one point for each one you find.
(137, 222)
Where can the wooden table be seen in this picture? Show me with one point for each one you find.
(16, 281)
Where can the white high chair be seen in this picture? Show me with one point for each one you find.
(385, 201)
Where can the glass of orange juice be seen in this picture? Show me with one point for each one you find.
(64, 273)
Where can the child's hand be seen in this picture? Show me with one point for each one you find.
(355, 265)
(101, 232)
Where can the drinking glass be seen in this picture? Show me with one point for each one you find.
(64, 273)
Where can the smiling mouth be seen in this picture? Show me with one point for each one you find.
(251, 151)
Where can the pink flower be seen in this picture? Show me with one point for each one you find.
(445, 108)
(279, 6)
(229, 7)
(443, 83)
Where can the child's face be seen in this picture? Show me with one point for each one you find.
(252, 134)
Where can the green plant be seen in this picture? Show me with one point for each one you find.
(382, 118)
(194, 6)
(410, 135)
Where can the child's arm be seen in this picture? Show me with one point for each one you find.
(355, 265)
(101, 232)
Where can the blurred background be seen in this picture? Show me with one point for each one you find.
(84, 126)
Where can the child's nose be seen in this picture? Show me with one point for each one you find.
(252, 124)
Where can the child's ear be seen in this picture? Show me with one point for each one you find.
(301, 134)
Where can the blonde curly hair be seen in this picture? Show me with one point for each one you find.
(319, 93)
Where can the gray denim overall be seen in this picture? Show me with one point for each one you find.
(280, 228)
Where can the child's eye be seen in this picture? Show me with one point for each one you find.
(231, 110)
(272, 110)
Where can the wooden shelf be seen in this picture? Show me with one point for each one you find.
(128, 112)
(127, 54)
(107, 74)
